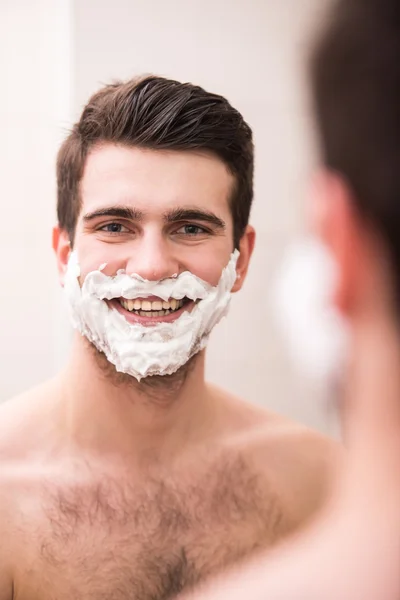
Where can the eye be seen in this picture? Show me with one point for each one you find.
(191, 230)
(114, 228)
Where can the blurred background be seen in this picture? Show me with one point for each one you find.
(54, 54)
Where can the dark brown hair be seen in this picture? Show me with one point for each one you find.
(355, 77)
(157, 113)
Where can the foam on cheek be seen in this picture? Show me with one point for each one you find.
(160, 349)
(316, 334)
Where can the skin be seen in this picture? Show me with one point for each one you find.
(354, 546)
(114, 489)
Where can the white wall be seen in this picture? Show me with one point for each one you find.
(35, 86)
(248, 50)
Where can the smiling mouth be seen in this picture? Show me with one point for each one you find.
(153, 308)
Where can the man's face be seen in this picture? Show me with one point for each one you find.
(156, 214)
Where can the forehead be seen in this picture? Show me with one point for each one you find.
(154, 180)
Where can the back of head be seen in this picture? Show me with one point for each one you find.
(355, 77)
(159, 114)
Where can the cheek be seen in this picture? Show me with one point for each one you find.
(92, 256)
(209, 267)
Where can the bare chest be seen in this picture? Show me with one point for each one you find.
(129, 542)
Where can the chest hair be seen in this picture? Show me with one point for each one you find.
(120, 540)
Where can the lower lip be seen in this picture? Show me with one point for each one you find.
(148, 321)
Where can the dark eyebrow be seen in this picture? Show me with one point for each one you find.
(119, 212)
(194, 214)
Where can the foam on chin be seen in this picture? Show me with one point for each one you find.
(134, 349)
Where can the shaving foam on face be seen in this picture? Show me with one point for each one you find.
(134, 349)
(315, 332)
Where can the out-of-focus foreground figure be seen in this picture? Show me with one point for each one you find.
(353, 551)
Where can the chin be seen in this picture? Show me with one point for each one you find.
(169, 383)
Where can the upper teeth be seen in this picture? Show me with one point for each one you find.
(157, 305)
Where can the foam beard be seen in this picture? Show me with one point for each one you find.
(135, 349)
(315, 332)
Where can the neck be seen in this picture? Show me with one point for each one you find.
(371, 412)
(111, 413)
(372, 397)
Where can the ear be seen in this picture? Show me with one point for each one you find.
(246, 247)
(62, 249)
(337, 223)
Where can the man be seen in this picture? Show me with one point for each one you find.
(353, 551)
(128, 476)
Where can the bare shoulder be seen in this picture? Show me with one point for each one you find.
(22, 427)
(304, 463)
(301, 464)
(23, 420)
(8, 511)
(17, 492)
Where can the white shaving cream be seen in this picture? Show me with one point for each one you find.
(316, 333)
(159, 349)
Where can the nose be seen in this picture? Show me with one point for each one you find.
(152, 258)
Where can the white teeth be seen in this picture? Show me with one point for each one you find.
(145, 307)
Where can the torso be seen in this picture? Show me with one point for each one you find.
(146, 540)
(81, 526)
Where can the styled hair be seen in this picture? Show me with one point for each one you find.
(161, 114)
(355, 80)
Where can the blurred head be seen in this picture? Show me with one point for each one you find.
(355, 80)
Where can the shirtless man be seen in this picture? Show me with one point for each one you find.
(128, 476)
(352, 552)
